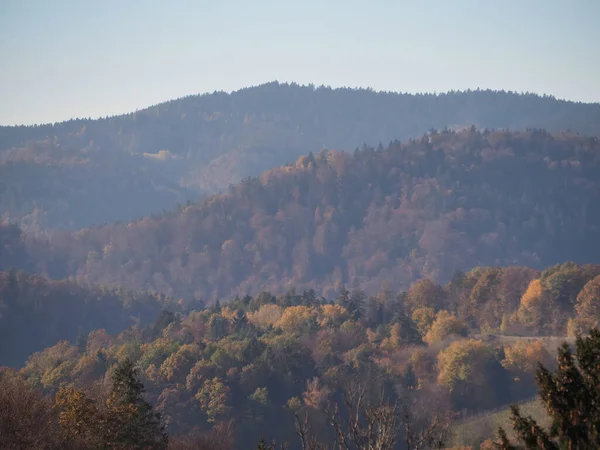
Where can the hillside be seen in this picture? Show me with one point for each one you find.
(258, 359)
(87, 172)
(36, 313)
(425, 208)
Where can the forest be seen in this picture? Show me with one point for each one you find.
(85, 172)
(36, 312)
(390, 216)
(265, 366)
(239, 271)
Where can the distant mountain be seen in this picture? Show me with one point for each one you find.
(428, 207)
(85, 172)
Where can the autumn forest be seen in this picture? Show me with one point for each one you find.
(304, 268)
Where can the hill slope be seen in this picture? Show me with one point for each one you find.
(86, 172)
(258, 357)
(36, 312)
(447, 201)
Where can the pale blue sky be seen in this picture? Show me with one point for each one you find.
(84, 58)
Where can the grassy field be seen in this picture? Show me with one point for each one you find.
(474, 430)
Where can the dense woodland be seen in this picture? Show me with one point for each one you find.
(250, 365)
(229, 271)
(36, 312)
(87, 172)
(382, 217)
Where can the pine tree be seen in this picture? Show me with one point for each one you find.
(132, 422)
(408, 331)
(572, 399)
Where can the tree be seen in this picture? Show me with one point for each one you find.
(423, 318)
(297, 319)
(587, 308)
(572, 400)
(217, 326)
(353, 302)
(405, 329)
(521, 360)
(367, 423)
(538, 311)
(316, 395)
(213, 398)
(133, 423)
(80, 418)
(27, 419)
(445, 326)
(467, 368)
(425, 294)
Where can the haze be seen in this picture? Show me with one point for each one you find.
(67, 59)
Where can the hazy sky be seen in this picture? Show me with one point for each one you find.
(84, 58)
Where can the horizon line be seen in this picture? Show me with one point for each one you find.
(309, 85)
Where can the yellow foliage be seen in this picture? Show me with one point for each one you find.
(423, 319)
(587, 309)
(463, 361)
(294, 317)
(395, 340)
(332, 315)
(372, 336)
(523, 356)
(214, 398)
(267, 315)
(227, 313)
(444, 326)
(536, 308)
(532, 295)
(78, 413)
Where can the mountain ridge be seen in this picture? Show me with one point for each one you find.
(424, 208)
(312, 86)
(200, 145)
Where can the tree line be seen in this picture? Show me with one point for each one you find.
(421, 209)
(282, 363)
(136, 164)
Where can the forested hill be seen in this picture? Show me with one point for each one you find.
(86, 172)
(258, 359)
(447, 201)
(36, 312)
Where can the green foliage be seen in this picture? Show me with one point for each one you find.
(571, 398)
(124, 421)
(260, 395)
(133, 423)
(296, 351)
(214, 398)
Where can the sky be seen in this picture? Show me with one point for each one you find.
(66, 59)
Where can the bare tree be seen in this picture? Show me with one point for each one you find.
(368, 427)
(418, 421)
(425, 416)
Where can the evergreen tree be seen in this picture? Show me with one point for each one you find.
(572, 400)
(132, 422)
(408, 330)
(343, 297)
